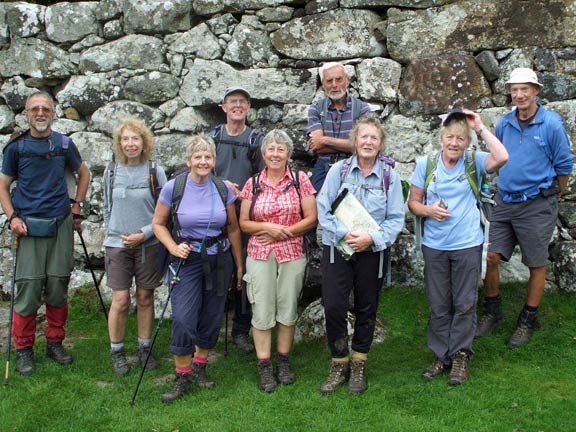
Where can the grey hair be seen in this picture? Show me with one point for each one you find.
(368, 120)
(279, 137)
(460, 123)
(200, 142)
(330, 65)
(43, 94)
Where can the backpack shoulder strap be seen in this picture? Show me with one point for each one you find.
(256, 189)
(323, 110)
(177, 194)
(110, 175)
(345, 168)
(431, 165)
(387, 164)
(471, 171)
(153, 179)
(356, 108)
(221, 188)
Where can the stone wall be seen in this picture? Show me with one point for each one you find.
(168, 62)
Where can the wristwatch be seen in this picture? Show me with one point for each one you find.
(80, 203)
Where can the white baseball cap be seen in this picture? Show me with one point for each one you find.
(522, 76)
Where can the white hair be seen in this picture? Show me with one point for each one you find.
(330, 65)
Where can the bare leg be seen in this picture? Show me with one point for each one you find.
(285, 338)
(118, 315)
(262, 342)
(492, 279)
(536, 285)
(145, 302)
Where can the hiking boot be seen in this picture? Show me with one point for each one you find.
(339, 374)
(285, 373)
(525, 326)
(266, 381)
(357, 384)
(119, 362)
(199, 375)
(491, 317)
(459, 372)
(56, 352)
(25, 361)
(242, 341)
(143, 351)
(182, 385)
(437, 369)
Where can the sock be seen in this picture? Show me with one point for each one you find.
(116, 346)
(359, 356)
(495, 299)
(282, 356)
(144, 342)
(264, 360)
(184, 370)
(200, 360)
(531, 308)
(341, 360)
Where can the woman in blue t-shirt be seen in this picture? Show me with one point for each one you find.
(453, 238)
(206, 229)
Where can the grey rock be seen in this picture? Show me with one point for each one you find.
(190, 120)
(107, 118)
(277, 14)
(176, 64)
(153, 17)
(319, 6)
(416, 4)
(88, 42)
(544, 60)
(109, 9)
(71, 22)
(113, 30)
(567, 213)
(564, 254)
(271, 114)
(516, 58)
(408, 137)
(378, 79)
(35, 58)
(151, 88)
(557, 86)
(86, 93)
(95, 148)
(24, 19)
(198, 41)
(307, 38)
(296, 116)
(223, 24)
(208, 7)
(67, 126)
(4, 34)
(130, 52)
(250, 44)
(6, 119)
(489, 64)
(171, 150)
(207, 80)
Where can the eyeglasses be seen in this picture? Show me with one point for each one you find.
(36, 110)
(237, 102)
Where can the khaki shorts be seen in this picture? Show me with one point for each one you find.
(123, 265)
(273, 290)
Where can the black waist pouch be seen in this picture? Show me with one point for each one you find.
(43, 227)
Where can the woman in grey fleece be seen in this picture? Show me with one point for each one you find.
(130, 194)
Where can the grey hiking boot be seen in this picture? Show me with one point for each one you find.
(143, 351)
(182, 385)
(525, 326)
(459, 372)
(199, 375)
(491, 317)
(119, 362)
(357, 384)
(56, 352)
(266, 381)
(285, 373)
(25, 361)
(436, 369)
(339, 375)
(243, 342)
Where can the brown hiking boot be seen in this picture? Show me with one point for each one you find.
(143, 351)
(525, 326)
(437, 368)
(459, 372)
(357, 384)
(182, 385)
(243, 342)
(285, 373)
(119, 362)
(56, 352)
(266, 381)
(199, 375)
(25, 361)
(339, 375)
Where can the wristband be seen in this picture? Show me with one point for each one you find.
(77, 216)
(12, 217)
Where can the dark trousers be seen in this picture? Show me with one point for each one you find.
(197, 312)
(242, 310)
(339, 279)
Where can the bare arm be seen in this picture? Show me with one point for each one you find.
(321, 143)
(275, 231)
(81, 190)
(309, 220)
(161, 216)
(417, 206)
(17, 225)
(562, 182)
(498, 154)
(235, 243)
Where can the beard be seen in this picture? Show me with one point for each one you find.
(337, 96)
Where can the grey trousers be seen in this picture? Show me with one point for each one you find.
(451, 279)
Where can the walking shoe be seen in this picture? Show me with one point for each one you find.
(339, 374)
(56, 352)
(199, 375)
(242, 341)
(525, 326)
(459, 372)
(119, 362)
(491, 317)
(25, 361)
(437, 368)
(357, 384)
(182, 385)
(266, 381)
(285, 373)
(143, 351)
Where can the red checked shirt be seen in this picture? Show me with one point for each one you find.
(279, 204)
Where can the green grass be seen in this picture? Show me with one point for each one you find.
(528, 389)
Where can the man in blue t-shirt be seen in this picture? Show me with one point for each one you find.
(527, 208)
(41, 216)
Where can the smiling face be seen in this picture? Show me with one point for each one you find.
(455, 140)
(369, 142)
(201, 164)
(132, 146)
(236, 106)
(40, 114)
(335, 83)
(276, 156)
(524, 96)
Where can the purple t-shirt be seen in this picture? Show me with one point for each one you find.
(201, 212)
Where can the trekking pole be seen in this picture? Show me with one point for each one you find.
(173, 282)
(12, 290)
(226, 310)
(96, 282)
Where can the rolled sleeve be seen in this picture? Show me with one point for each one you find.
(314, 122)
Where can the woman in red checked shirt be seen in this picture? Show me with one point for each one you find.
(276, 211)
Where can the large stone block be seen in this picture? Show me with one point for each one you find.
(413, 4)
(86, 93)
(336, 34)
(95, 148)
(564, 254)
(208, 7)
(151, 88)
(250, 44)
(70, 22)
(107, 118)
(198, 42)
(153, 16)
(378, 79)
(24, 19)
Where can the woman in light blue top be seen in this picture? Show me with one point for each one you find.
(453, 238)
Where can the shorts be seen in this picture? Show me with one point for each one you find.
(123, 265)
(530, 224)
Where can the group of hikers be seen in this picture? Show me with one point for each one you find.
(237, 216)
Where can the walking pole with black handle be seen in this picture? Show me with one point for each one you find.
(12, 292)
(96, 282)
(173, 282)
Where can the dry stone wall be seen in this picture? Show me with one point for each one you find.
(168, 62)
